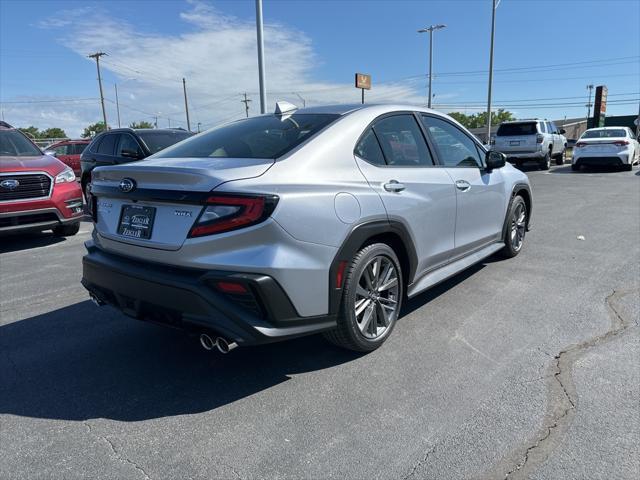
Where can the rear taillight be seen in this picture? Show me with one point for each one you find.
(539, 138)
(223, 213)
(580, 144)
(621, 143)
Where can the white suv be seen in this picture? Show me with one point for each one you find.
(531, 141)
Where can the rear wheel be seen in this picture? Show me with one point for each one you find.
(66, 230)
(546, 162)
(575, 167)
(371, 300)
(628, 167)
(516, 228)
(560, 158)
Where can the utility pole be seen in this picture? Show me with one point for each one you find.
(115, 85)
(246, 104)
(304, 103)
(186, 104)
(493, 30)
(430, 29)
(97, 56)
(199, 126)
(590, 88)
(259, 29)
(155, 123)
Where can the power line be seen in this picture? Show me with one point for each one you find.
(67, 100)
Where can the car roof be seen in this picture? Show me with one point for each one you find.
(344, 109)
(138, 130)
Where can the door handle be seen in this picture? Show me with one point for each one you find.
(393, 186)
(463, 185)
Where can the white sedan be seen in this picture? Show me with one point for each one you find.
(607, 146)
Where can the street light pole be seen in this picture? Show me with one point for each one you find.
(259, 28)
(430, 29)
(493, 29)
(115, 85)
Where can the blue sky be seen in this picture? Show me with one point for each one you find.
(313, 49)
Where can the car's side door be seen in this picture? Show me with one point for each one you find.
(481, 196)
(557, 141)
(395, 159)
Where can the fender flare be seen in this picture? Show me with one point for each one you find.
(356, 238)
(517, 188)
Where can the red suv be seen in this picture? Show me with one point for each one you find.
(68, 152)
(37, 192)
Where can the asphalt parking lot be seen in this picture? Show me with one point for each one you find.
(527, 368)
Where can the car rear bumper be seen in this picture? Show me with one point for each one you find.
(188, 299)
(524, 156)
(602, 159)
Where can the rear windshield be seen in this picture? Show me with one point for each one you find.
(604, 134)
(156, 141)
(514, 129)
(14, 144)
(269, 136)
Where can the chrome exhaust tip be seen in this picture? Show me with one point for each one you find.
(224, 346)
(96, 300)
(207, 342)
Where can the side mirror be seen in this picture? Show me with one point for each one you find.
(51, 153)
(495, 160)
(130, 154)
(562, 131)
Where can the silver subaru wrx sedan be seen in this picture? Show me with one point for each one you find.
(313, 220)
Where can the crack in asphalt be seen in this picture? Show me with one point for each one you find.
(564, 408)
(419, 463)
(114, 451)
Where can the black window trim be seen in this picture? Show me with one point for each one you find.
(482, 152)
(434, 161)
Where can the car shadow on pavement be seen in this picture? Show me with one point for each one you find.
(591, 169)
(82, 362)
(25, 241)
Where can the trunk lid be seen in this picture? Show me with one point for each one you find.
(165, 223)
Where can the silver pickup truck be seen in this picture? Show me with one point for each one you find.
(531, 141)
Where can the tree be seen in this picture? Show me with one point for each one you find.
(53, 132)
(32, 132)
(141, 124)
(93, 129)
(479, 119)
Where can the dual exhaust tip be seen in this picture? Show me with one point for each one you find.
(220, 343)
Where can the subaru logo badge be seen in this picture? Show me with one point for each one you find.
(127, 185)
(10, 184)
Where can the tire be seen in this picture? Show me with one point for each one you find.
(546, 162)
(66, 230)
(374, 266)
(575, 168)
(560, 158)
(628, 167)
(516, 223)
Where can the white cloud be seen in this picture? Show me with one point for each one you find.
(217, 55)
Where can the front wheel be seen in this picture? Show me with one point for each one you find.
(371, 299)
(560, 158)
(516, 228)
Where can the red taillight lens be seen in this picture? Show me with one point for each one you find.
(539, 138)
(231, 287)
(223, 213)
(340, 273)
(621, 143)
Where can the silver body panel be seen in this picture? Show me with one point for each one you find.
(324, 191)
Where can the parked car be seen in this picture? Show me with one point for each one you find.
(531, 141)
(606, 146)
(303, 221)
(123, 145)
(37, 191)
(68, 152)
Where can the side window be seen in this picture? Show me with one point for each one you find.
(543, 127)
(107, 145)
(78, 148)
(402, 142)
(62, 150)
(369, 149)
(455, 148)
(552, 128)
(127, 142)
